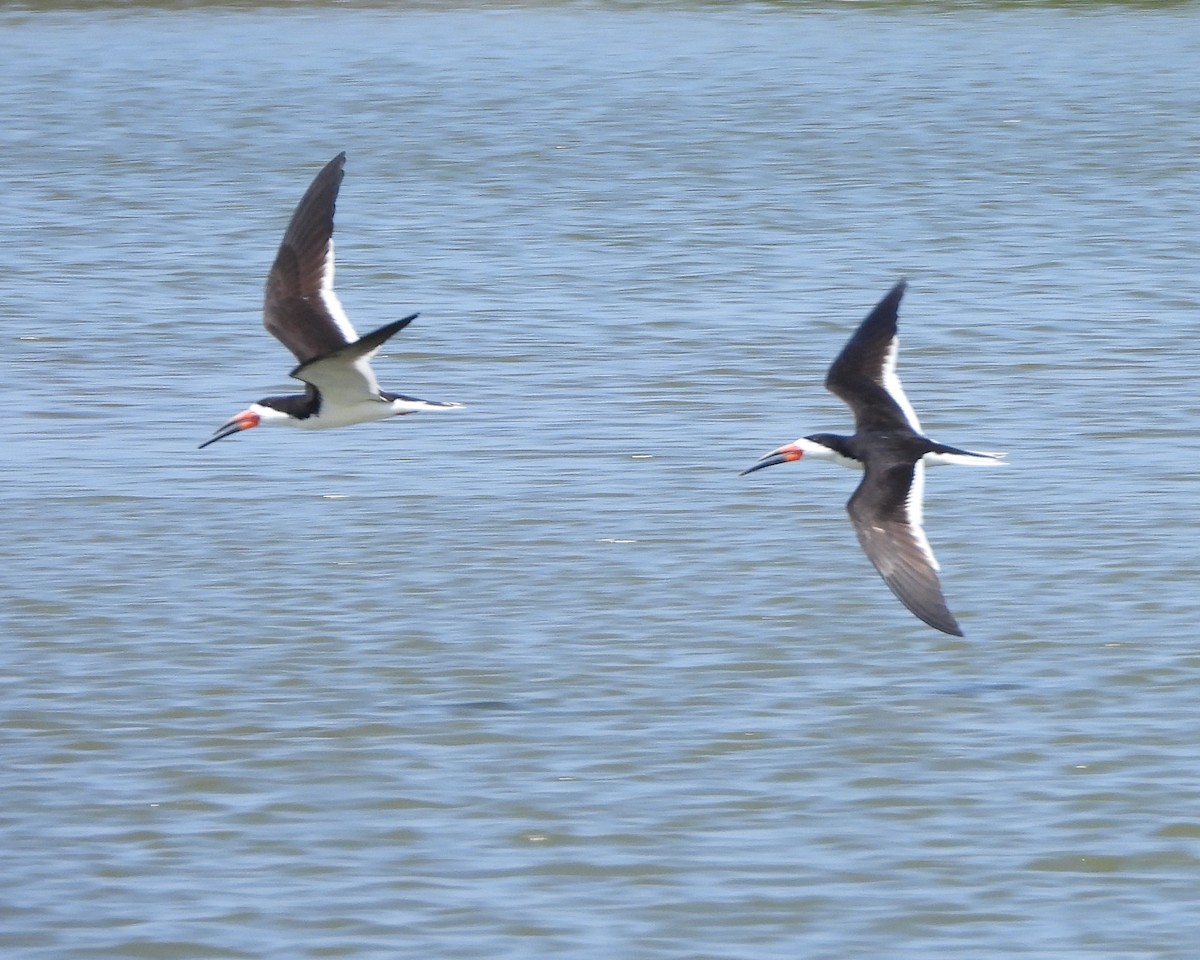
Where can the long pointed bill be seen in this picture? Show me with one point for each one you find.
(243, 421)
(785, 454)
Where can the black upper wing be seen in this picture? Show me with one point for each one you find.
(885, 511)
(300, 308)
(864, 373)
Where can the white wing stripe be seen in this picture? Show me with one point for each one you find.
(891, 383)
(330, 299)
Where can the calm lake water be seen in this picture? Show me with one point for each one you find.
(544, 678)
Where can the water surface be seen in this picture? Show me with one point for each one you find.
(545, 678)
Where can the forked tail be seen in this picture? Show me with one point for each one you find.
(943, 453)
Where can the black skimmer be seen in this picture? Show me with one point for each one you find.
(886, 509)
(303, 313)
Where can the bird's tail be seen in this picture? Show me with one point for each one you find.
(943, 453)
(402, 404)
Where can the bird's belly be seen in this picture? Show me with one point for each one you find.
(346, 415)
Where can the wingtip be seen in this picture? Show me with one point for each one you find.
(942, 619)
(955, 632)
(335, 166)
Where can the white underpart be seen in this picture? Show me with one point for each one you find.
(331, 301)
(366, 411)
(891, 383)
(347, 414)
(350, 394)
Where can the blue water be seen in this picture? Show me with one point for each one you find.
(544, 677)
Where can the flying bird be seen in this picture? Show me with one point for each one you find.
(301, 310)
(886, 509)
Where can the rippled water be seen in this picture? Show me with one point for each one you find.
(545, 678)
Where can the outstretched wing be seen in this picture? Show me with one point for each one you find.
(344, 376)
(300, 308)
(886, 513)
(864, 373)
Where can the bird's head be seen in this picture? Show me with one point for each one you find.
(805, 446)
(252, 416)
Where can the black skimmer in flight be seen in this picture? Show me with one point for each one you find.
(303, 313)
(889, 446)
